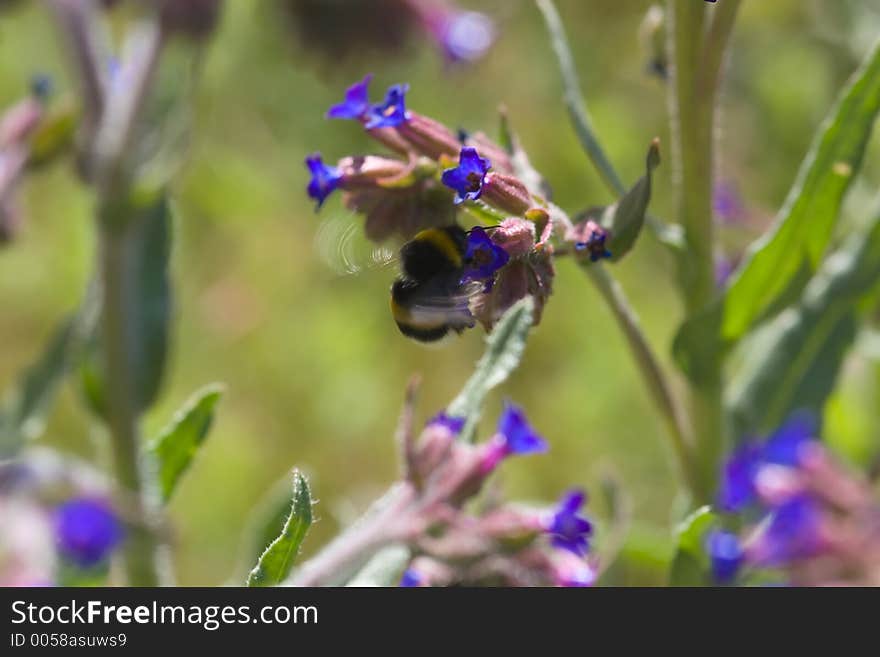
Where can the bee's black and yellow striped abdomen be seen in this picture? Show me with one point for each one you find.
(426, 301)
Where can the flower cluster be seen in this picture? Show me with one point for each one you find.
(433, 174)
(57, 525)
(504, 544)
(815, 522)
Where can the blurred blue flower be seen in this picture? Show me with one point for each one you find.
(517, 434)
(454, 424)
(410, 578)
(482, 257)
(595, 243)
(725, 554)
(570, 531)
(737, 487)
(727, 203)
(791, 533)
(468, 177)
(87, 530)
(465, 36)
(390, 113)
(356, 103)
(325, 179)
(785, 445)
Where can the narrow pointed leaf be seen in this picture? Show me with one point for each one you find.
(628, 216)
(793, 361)
(505, 347)
(779, 264)
(690, 565)
(275, 563)
(175, 448)
(384, 569)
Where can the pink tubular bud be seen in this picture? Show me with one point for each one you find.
(506, 193)
(429, 137)
(516, 236)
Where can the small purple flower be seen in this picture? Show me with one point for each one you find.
(87, 530)
(784, 447)
(482, 257)
(570, 531)
(390, 113)
(595, 244)
(468, 177)
(725, 554)
(325, 179)
(724, 267)
(792, 532)
(518, 436)
(454, 424)
(737, 488)
(356, 103)
(727, 203)
(410, 578)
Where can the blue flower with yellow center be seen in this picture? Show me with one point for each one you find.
(468, 177)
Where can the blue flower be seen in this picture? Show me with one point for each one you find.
(410, 578)
(482, 257)
(517, 434)
(87, 530)
(454, 424)
(468, 177)
(356, 103)
(725, 554)
(568, 530)
(784, 446)
(595, 244)
(465, 36)
(324, 179)
(792, 532)
(390, 113)
(737, 489)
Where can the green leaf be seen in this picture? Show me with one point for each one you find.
(275, 563)
(690, 563)
(147, 244)
(23, 413)
(178, 443)
(384, 569)
(628, 216)
(505, 348)
(778, 265)
(793, 362)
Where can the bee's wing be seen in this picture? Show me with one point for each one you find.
(340, 242)
(445, 303)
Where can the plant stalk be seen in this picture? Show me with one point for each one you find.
(140, 550)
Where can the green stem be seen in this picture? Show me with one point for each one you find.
(697, 61)
(652, 372)
(140, 552)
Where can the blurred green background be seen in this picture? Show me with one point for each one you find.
(315, 367)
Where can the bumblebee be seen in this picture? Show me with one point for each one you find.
(428, 299)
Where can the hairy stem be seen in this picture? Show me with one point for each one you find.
(697, 54)
(352, 549)
(140, 551)
(652, 372)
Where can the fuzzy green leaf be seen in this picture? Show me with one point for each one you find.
(779, 264)
(505, 348)
(628, 216)
(793, 361)
(690, 563)
(176, 446)
(384, 569)
(275, 563)
(24, 412)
